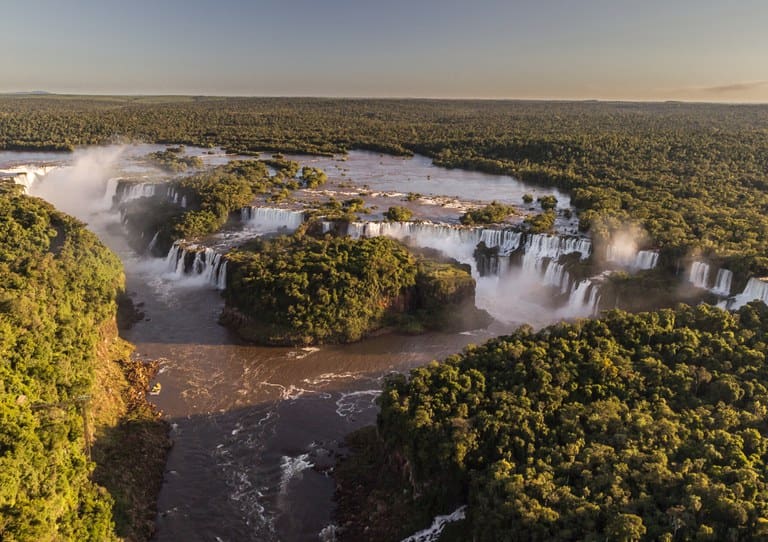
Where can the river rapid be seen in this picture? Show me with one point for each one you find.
(255, 429)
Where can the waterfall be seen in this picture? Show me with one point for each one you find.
(26, 176)
(699, 275)
(554, 246)
(507, 241)
(584, 299)
(110, 192)
(459, 243)
(153, 242)
(557, 276)
(221, 276)
(520, 292)
(631, 258)
(723, 283)
(128, 191)
(268, 219)
(207, 264)
(646, 259)
(756, 289)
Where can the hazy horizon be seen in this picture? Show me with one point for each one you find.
(43, 93)
(690, 51)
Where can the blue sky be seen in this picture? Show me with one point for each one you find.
(620, 49)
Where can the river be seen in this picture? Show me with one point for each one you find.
(254, 428)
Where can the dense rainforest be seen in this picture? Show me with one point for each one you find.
(630, 427)
(694, 175)
(301, 289)
(70, 397)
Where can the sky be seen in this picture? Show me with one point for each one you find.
(694, 50)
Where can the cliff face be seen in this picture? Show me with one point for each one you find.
(444, 297)
(129, 439)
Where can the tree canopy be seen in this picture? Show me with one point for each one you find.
(629, 427)
(59, 286)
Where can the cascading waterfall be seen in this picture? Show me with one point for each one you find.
(206, 263)
(110, 192)
(646, 259)
(723, 282)
(756, 289)
(557, 276)
(153, 242)
(433, 532)
(129, 191)
(632, 258)
(460, 243)
(699, 275)
(271, 218)
(584, 299)
(508, 292)
(26, 176)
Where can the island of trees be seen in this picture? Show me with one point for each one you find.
(302, 289)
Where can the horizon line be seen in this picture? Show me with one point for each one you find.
(43, 94)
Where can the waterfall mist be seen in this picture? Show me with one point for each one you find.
(79, 188)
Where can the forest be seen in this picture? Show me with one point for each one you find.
(301, 289)
(630, 427)
(60, 429)
(693, 175)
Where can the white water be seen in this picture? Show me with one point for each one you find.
(557, 276)
(630, 257)
(700, 276)
(26, 176)
(268, 219)
(132, 191)
(723, 282)
(756, 289)
(460, 243)
(511, 293)
(153, 242)
(292, 467)
(432, 534)
(208, 265)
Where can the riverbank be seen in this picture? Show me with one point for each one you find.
(131, 439)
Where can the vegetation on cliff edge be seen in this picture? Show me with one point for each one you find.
(57, 303)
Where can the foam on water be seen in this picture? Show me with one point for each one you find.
(355, 402)
(432, 533)
(291, 468)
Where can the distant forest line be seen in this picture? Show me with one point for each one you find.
(694, 175)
